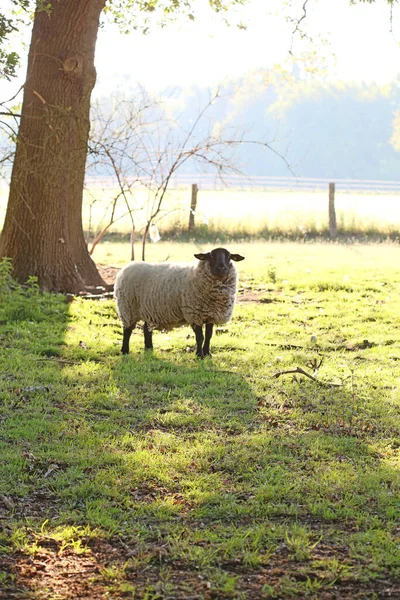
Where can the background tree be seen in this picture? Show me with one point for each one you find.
(42, 231)
(115, 151)
(141, 144)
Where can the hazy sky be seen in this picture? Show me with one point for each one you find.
(361, 45)
(207, 51)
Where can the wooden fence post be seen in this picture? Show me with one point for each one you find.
(193, 204)
(332, 212)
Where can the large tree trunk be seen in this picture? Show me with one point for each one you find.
(42, 232)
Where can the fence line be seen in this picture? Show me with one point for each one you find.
(261, 183)
(258, 183)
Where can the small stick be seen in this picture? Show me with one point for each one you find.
(7, 503)
(303, 372)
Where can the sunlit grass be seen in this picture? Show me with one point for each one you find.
(250, 212)
(241, 214)
(262, 486)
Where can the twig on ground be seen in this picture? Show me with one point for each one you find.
(301, 371)
(7, 503)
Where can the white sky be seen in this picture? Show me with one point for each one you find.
(206, 51)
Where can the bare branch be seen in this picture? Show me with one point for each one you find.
(297, 25)
(301, 371)
(142, 145)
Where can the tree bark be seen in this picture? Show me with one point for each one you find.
(43, 232)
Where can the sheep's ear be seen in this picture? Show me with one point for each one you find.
(206, 256)
(237, 257)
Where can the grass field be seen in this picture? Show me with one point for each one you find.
(158, 476)
(249, 213)
(243, 214)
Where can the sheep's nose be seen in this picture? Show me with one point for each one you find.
(220, 270)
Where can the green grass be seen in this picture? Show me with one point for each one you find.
(159, 476)
(241, 214)
(244, 214)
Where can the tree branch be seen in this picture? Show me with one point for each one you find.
(297, 27)
(301, 371)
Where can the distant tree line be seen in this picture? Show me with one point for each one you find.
(329, 130)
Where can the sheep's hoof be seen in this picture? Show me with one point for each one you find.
(200, 355)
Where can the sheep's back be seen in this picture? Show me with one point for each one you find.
(151, 292)
(167, 295)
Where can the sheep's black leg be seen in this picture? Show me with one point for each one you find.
(125, 340)
(148, 337)
(209, 332)
(198, 330)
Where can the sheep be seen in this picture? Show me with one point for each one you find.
(168, 295)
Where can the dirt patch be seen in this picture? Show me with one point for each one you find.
(103, 569)
(246, 295)
(55, 573)
(107, 273)
(39, 504)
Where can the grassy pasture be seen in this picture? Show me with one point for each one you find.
(243, 213)
(158, 476)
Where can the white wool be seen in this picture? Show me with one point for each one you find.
(168, 295)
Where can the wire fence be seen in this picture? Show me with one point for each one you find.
(207, 181)
(251, 204)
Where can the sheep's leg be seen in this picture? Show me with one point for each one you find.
(126, 338)
(209, 332)
(198, 330)
(148, 337)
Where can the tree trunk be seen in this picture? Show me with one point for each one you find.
(43, 232)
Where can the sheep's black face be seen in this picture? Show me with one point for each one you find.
(219, 261)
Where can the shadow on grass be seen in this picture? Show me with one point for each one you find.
(135, 475)
(188, 395)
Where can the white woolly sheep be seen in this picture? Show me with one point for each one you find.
(168, 295)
